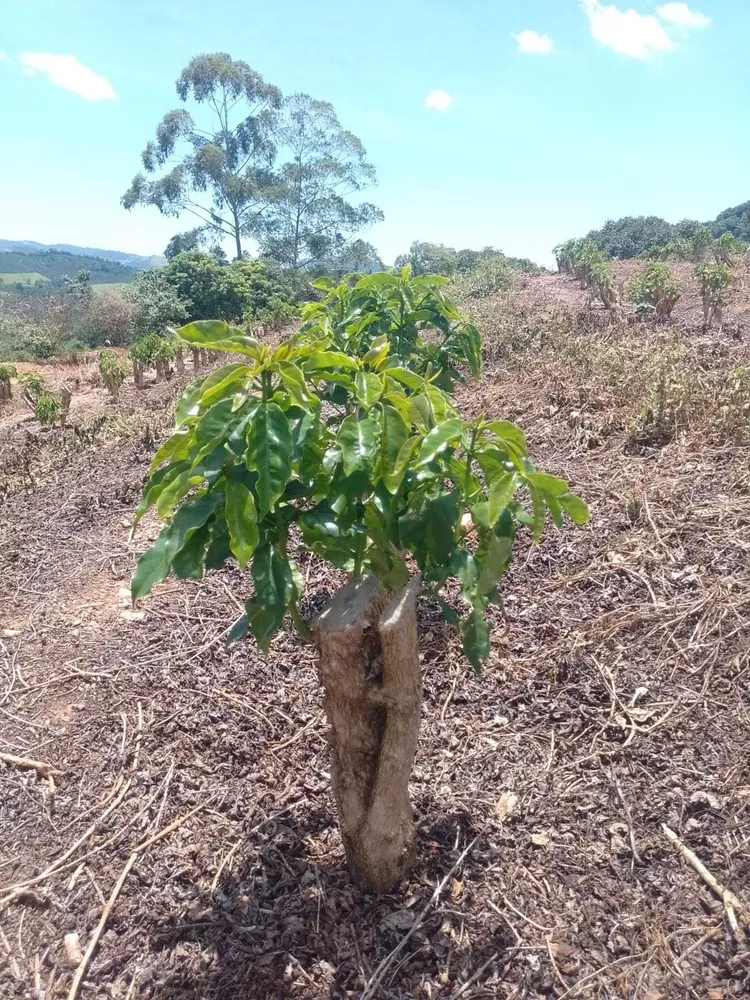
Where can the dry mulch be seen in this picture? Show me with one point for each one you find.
(616, 700)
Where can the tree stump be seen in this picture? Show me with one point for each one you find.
(368, 664)
(138, 374)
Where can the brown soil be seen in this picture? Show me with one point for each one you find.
(616, 700)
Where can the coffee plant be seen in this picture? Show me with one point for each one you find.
(364, 457)
(654, 292)
(339, 442)
(113, 371)
(713, 282)
(33, 383)
(420, 324)
(7, 372)
(47, 408)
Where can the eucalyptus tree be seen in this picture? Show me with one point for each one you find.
(215, 161)
(315, 213)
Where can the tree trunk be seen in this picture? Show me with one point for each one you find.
(196, 352)
(205, 361)
(368, 664)
(159, 365)
(138, 374)
(6, 392)
(179, 361)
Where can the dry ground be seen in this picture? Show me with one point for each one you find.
(616, 700)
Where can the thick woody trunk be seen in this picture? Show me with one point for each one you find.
(196, 352)
(6, 392)
(138, 374)
(179, 361)
(369, 668)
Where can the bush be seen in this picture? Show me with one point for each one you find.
(145, 350)
(33, 382)
(654, 292)
(113, 371)
(713, 281)
(41, 348)
(47, 408)
(276, 314)
(488, 277)
(7, 372)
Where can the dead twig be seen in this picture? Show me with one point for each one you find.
(45, 770)
(385, 965)
(732, 905)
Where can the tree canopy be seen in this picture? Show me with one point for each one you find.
(312, 216)
(248, 164)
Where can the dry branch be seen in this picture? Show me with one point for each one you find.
(45, 770)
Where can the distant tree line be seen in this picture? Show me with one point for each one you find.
(634, 236)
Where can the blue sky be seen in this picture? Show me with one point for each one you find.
(515, 123)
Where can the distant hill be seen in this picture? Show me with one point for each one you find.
(52, 265)
(132, 260)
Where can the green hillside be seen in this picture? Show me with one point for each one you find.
(21, 277)
(53, 265)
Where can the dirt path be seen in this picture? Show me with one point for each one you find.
(616, 700)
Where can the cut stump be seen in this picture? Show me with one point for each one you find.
(368, 664)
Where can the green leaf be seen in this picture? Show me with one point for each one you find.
(575, 508)
(410, 379)
(176, 448)
(216, 335)
(509, 433)
(439, 438)
(548, 484)
(500, 494)
(356, 438)
(188, 563)
(539, 512)
(494, 563)
(476, 638)
(269, 452)
(274, 589)
(294, 380)
(242, 521)
(216, 385)
(393, 436)
(441, 519)
(155, 563)
(368, 388)
(328, 359)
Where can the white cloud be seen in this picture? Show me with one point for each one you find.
(438, 100)
(682, 15)
(639, 36)
(534, 43)
(69, 73)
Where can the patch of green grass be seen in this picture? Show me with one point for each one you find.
(24, 277)
(112, 284)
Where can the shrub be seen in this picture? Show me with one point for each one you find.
(276, 314)
(727, 247)
(713, 281)
(41, 348)
(33, 382)
(144, 351)
(113, 371)
(654, 292)
(47, 408)
(370, 465)
(489, 277)
(7, 372)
